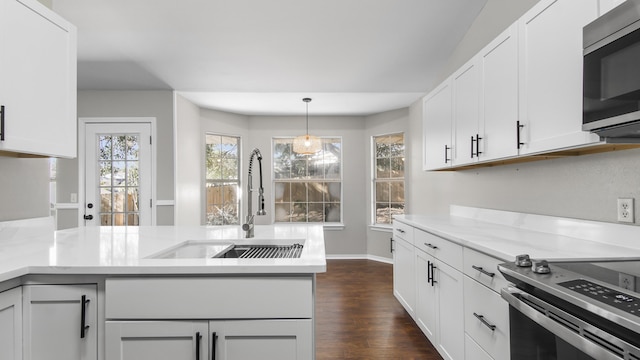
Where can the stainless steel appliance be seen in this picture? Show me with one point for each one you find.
(573, 310)
(611, 88)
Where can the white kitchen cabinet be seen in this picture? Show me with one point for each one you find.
(498, 63)
(550, 58)
(607, 5)
(11, 324)
(450, 328)
(426, 297)
(404, 286)
(437, 127)
(156, 340)
(466, 93)
(261, 339)
(60, 322)
(38, 88)
(201, 339)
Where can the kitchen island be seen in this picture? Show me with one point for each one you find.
(105, 294)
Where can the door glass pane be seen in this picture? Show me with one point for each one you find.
(119, 184)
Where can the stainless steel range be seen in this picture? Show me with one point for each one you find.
(573, 310)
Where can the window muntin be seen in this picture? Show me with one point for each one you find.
(222, 177)
(308, 188)
(388, 177)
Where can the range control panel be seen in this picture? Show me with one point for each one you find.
(608, 296)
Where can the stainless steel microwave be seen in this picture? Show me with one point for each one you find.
(611, 87)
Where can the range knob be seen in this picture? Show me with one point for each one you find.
(523, 260)
(540, 267)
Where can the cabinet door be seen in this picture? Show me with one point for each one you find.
(450, 311)
(466, 93)
(11, 324)
(157, 340)
(261, 339)
(550, 42)
(38, 89)
(499, 96)
(426, 299)
(436, 127)
(54, 316)
(404, 287)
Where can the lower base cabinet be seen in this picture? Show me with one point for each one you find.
(11, 324)
(60, 322)
(217, 340)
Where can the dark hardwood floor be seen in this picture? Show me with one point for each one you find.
(357, 316)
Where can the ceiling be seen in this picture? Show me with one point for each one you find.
(261, 57)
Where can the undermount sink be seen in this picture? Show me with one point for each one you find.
(194, 249)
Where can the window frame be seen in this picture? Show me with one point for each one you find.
(207, 181)
(374, 180)
(327, 225)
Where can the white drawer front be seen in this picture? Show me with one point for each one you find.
(403, 231)
(473, 351)
(480, 267)
(445, 250)
(481, 302)
(209, 298)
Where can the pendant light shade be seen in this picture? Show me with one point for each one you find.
(307, 144)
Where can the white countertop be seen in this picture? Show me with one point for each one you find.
(125, 250)
(504, 234)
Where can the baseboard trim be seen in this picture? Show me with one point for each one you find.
(360, 257)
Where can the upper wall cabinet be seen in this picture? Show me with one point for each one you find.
(550, 43)
(38, 87)
(466, 94)
(437, 127)
(498, 64)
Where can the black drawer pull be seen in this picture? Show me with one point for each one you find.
(485, 322)
(83, 316)
(430, 245)
(198, 337)
(2, 123)
(400, 231)
(479, 268)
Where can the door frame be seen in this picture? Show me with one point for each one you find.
(82, 124)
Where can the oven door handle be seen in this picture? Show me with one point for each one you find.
(582, 335)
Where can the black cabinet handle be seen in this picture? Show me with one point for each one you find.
(485, 322)
(446, 150)
(479, 268)
(430, 245)
(391, 245)
(2, 123)
(400, 231)
(472, 140)
(429, 276)
(83, 316)
(198, 345)
(518, 127)
(214, 338)
(478, 152)
(433, 274)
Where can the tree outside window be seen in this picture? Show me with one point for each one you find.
(388, 189)
(222, 179)
(308, 188)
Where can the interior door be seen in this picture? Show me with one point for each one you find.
(118, 174)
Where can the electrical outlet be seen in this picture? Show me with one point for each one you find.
(625, 210)
(627, 281)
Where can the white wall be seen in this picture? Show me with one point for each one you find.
(189, 163)
(25, 188)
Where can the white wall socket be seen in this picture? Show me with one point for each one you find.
(627, 281)
(625, 210)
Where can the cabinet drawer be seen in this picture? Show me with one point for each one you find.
(403, 231)
(444, 250)
(209, 298)
(484, 308)
(479, 267)
(473, 351)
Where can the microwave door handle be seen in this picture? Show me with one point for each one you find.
(539, 311)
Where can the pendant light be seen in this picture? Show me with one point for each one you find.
(307, 144)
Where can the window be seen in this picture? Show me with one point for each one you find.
(308, 188)
(388, 177)
(222, 179)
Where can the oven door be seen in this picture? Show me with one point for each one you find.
(542, 331)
